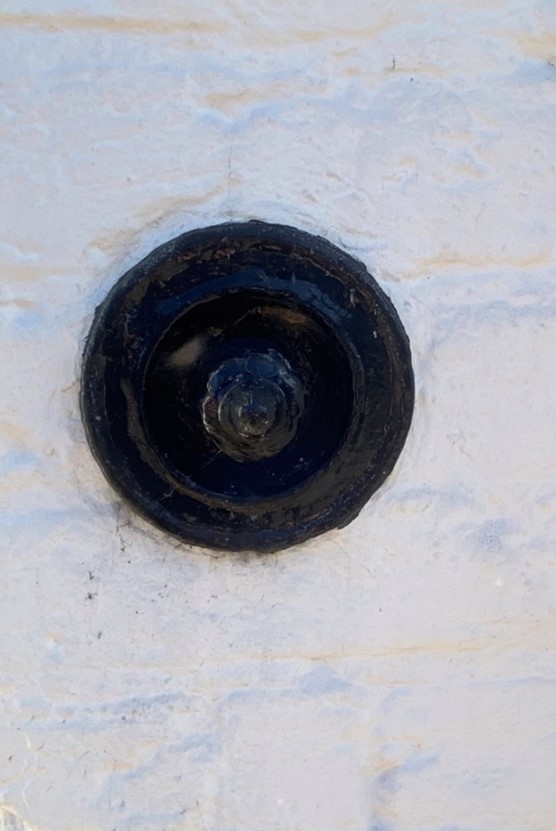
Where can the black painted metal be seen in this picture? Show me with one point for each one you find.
(247, 386)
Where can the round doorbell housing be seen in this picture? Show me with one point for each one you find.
(247, 386)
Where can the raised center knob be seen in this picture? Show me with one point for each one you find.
(252, 405)
(254, 410)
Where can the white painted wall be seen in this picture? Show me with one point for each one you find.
(397, 675)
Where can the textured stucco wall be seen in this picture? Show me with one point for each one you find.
(397, 675)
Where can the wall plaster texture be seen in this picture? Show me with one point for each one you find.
(398, 675)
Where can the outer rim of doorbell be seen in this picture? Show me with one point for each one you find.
(277, 264)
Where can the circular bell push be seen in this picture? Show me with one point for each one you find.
(247, 386)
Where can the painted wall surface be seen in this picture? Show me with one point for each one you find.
(398, 675)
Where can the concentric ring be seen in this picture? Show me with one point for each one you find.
(272, 330)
